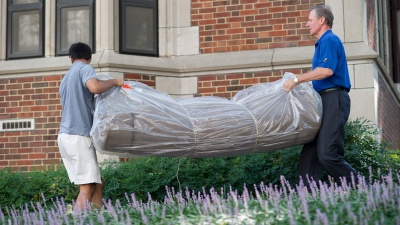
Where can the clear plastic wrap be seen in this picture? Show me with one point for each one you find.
(141, 121)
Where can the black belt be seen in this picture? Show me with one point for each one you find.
(331, 89)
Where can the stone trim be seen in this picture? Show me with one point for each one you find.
(183, 66)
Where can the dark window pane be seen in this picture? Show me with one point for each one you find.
(75, 23)
(395, 31)
(139, 28)
(398, 22)
(25, 27)
(75, 26)
(25, 31)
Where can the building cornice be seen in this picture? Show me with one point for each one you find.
(182, 66)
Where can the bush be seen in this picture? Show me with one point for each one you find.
(139, 175)
(366, 154)
(151, 175)
(17, 188)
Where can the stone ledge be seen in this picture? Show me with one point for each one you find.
(181, 66)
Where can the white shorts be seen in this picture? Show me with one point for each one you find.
(79, 157)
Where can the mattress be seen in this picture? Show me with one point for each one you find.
(141, 121)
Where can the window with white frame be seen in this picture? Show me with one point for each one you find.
(25, 28)
(139, 27)
(74, 23)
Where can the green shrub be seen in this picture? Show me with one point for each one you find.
(364, 152)
(151, 175)
(139, 176)
(18, 188)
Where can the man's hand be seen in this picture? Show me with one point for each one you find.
(289, 84)
(119, 82)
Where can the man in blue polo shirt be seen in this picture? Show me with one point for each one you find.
(330, 78)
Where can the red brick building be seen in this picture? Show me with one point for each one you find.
(186, 49)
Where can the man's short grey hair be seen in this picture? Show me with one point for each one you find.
(326, 12)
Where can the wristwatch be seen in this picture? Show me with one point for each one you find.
(296, 80)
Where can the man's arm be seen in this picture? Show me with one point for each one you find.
(318, 73)
(97, 86)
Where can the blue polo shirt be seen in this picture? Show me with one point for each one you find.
(329, 53)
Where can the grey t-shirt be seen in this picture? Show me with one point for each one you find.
(76, 100)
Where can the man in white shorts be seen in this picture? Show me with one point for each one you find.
(77, 90)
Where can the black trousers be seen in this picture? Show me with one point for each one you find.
(327, 149)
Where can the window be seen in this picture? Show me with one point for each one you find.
(75, 23)
(395, 16)
(25, 28)
(139, 27)
(382, 31)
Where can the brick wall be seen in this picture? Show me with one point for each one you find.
(227, 85)
(38, 98)
(388, 115)
(149, 80)
(238, 25)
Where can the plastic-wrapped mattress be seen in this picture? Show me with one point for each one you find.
(141, 121)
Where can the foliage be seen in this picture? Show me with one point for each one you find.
(153, 174)
(17, 188)
(150, 175)
(377, 203)
(139, 175)
(365, 153)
